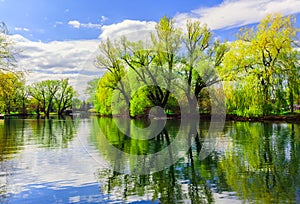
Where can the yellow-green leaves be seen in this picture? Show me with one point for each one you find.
(258, 61)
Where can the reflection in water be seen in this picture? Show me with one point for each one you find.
(55, 161)
(22, 135)
(263, 164)
(256, 162)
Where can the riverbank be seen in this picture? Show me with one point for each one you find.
(280, 118)
(295, 118)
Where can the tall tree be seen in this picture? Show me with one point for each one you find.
(257, 62)
(166, 41)
(110, 59)
(201, 58)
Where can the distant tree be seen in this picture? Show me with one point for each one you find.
(91, 90)
(52, 94)
(64, 96)
(44, 92)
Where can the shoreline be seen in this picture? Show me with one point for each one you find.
(295, 118)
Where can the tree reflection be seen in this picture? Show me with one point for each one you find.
(263, 165)
(53, 132)
(186, 180)
(258, 162)
(16, 133)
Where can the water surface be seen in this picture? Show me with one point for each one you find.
(68, 161)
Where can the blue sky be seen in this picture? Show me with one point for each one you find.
(60, 38)
(48, 20)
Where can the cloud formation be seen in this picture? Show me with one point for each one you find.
(103, 19)
(77, 24)
(58, 59)
(132, 29)
(229, 14)
(237, 13)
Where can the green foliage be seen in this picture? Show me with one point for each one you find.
(161, 65)
(11, 85)
(260, 69)
(259, 65)
(103, 95)
(140, 103)
(52, 95)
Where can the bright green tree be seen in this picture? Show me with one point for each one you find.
(258, 65)
(10, 84)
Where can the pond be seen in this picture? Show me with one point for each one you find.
(93, 160)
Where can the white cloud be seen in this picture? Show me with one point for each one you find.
(229, 14)
(132, 29)
(74, 24)
(91, 25)
(58, 59)
(77, 24)
(21, 29)
(236, 13)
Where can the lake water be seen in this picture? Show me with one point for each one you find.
(77, 161)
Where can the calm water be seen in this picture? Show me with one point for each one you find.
(70, 161)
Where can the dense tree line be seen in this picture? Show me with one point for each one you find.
(260, 69)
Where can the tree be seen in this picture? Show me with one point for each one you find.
(259, 64)
(151, 65)
(44, 92)
(92, 89)
(64, 96)
(162, 65)
(110, 59)
(104, 94)
(201, 58)
(7, 59)
(166, 42)
(52, 94)
(10, 84)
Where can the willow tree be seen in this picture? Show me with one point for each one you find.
(200, 59)
(257, 64)
(103, 94)
(153, 63)
(166, 41)
(110, 59)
